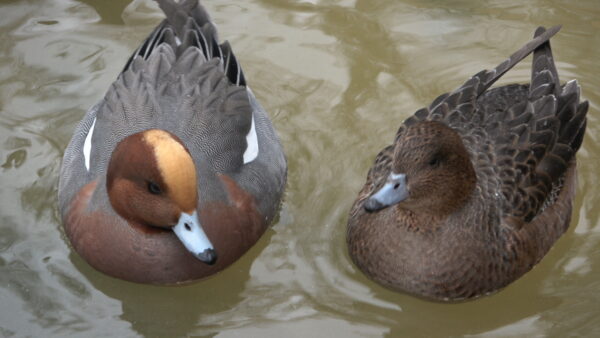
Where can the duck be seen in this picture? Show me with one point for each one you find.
(177, 171)
(476, 187)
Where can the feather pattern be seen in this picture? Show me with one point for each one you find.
(181, 83)
(179, 69)
(524, 140)
(521, 141)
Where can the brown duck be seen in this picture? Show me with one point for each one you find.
(476, 187)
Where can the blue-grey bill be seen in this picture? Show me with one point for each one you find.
(190, 233)
(393, 191)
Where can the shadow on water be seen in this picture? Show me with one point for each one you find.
(174, 311)
(107, 9)
(366, 58)
(337, 78)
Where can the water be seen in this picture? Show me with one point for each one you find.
(337, 78)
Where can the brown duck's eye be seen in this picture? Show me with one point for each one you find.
(434, 162)
(153, 188)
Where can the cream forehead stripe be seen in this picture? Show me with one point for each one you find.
(176, 167)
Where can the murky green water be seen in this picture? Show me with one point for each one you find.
(337, 77)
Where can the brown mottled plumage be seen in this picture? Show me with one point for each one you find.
(489, 178)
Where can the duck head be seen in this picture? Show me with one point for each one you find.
(151, 180)
(431, 171)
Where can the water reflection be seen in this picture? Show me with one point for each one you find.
(155, 311)
(107, 10)
(337, 78)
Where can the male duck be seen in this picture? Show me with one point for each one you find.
(177, 172)
(476, 187)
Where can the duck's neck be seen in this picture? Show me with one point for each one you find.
(432, 215)
(419, 220)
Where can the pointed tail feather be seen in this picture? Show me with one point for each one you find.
(483, 80)
(488, 78)
(187, 25)
(544, 76)
(178, 12)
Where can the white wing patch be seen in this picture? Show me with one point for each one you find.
(87, 145)
(252, 144)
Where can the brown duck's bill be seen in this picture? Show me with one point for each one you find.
(393, 191)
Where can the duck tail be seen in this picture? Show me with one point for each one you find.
(483, 80)
(569, 113)
(188, 25)
(544, 77)
(178, 14)
(488, 77)
(194, 28)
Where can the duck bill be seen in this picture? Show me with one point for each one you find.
(190, 233)
(393, 191)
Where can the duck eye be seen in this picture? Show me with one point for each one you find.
(434, 162)
(153, 188)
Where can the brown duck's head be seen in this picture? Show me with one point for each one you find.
(151, 180)
(431, 171)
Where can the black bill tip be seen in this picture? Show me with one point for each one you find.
(208, 256)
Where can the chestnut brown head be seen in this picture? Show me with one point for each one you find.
(151, 181)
